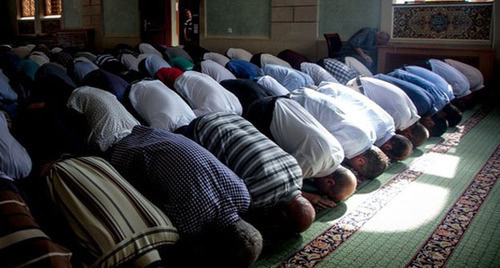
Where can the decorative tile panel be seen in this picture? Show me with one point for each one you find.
(457, 22)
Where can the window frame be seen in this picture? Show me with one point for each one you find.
(38, 19)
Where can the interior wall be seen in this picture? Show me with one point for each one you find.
(294, 24)
(345, 17)
(121, 17)
(246, 18)
(72, 14)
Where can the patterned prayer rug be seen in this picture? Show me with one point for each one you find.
(314, 252)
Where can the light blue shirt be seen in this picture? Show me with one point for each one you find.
(15, 163)
(435, 77)
(154, 63)
(459, 82)
(381, 121)
(6, 92)
(290, 78)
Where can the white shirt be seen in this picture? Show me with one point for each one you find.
(381, 121)
(351, 128)
(22, 51)
(216, 71)
(108, 119)
(39, 57)
(205, 95)
(391, 98)
(271, 59)
(271, 83)
(217, 57)
(239, 54)
(131, 62)
(357, 66)
(298, 133)
(56, 50)
(15, 163)
(159, 105)
(146, 48)
(317, 73)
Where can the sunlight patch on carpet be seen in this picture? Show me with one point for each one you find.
(417, 205)
(440, 165)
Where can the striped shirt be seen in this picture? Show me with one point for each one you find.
(111, 64)
(271, 174)
(110, 219)
(22, 242)
(189, 183)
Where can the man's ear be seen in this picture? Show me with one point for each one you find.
(331, 181)
(360, 160)
(386, 146)
(407, 132)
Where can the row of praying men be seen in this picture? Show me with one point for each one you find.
(149, 145)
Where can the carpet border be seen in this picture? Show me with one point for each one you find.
(325, 243)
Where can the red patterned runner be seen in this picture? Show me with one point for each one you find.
(438, 248)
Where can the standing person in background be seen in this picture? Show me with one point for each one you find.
(188, 27)
(363, 45)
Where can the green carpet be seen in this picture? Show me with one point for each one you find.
(437, 208)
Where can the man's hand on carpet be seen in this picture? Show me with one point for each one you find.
(321, 201)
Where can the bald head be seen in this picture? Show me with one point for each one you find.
(300, 213)
(382, 38)
(339, 185)
(345, 182)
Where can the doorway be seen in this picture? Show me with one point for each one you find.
(156, 21)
